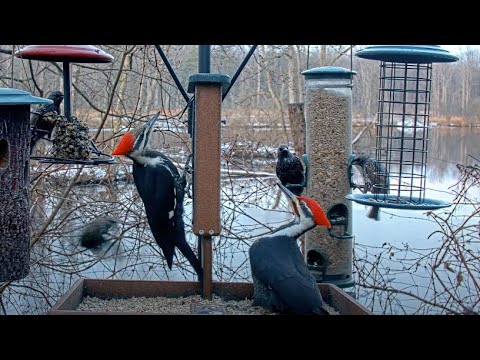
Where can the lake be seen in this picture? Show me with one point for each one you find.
(393, 257)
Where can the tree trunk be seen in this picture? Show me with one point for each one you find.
(297, 126)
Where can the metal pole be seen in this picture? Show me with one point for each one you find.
(207, 283)
(67, 106)
(206, 241)
(239, 71)
(172, 73)
(204, 58)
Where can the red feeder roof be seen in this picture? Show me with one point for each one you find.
(64, 53)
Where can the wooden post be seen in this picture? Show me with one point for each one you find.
(14, 182)
(206, 165)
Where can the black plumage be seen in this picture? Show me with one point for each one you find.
(93, 234)
(376, 180)
(290, 170)
(282, 281)
(43, 119)
(162, 190)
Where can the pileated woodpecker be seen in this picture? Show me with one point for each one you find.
(282, 281)
(162, 190)
(376, 180)
(289, 169)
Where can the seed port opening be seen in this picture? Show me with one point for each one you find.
(4, 154)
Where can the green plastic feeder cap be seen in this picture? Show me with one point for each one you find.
(407, 53)
(328, 72)
(9, 96)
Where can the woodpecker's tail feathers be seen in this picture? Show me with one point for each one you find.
(167, 241)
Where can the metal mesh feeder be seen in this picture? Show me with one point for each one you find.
(402, 126)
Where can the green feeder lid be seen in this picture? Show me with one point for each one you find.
(208, 78)
(407, 53)
(10, 96)
(328, 72)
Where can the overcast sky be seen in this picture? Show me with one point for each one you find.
(456, 49)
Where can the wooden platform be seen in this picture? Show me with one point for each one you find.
(107, 289)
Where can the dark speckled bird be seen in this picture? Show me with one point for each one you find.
(93, 234)
(289, 169)
(281, 279)
(43, 119)
(376, 180)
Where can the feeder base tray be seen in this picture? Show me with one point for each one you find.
(107, 289)
(398, 202)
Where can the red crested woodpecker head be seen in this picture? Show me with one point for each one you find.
(134, 142)
(306, 208)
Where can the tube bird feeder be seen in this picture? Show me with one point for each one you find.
(328, 116)
(14, 182)
(402, 125)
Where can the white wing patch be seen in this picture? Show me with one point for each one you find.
(170, 214)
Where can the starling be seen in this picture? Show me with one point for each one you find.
(93, 235)
(290, 170)
(43, 119)
(376, 180)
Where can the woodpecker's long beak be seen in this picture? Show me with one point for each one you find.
(317, 212)
(136, 140)
(293, 198)
(149, 129)
(152, 121)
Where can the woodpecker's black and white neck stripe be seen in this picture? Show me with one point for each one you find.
(282, 281)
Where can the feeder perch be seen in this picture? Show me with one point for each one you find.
(68, 54)
(14, 182)
(402, 124)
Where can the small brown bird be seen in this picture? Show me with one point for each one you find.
(376, 180)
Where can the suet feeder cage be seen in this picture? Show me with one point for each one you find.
(402, 125)
(67, 54)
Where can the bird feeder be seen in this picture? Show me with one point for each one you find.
(402, 124)
(14, 182)
(328, 116)
(68, 54)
